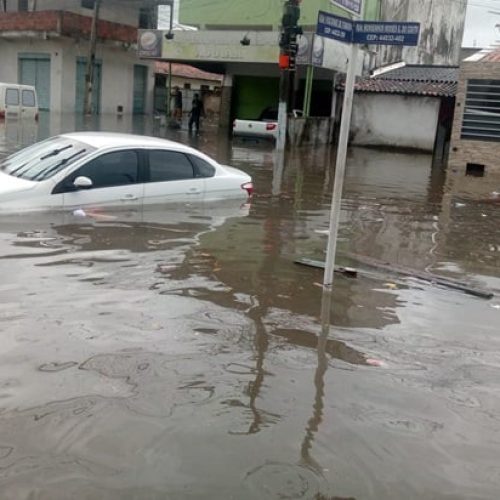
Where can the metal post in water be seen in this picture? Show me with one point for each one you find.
(308, 90)
(89, 73)
(282, 112)
(340, 167)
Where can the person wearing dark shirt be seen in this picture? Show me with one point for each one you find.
(196, 113)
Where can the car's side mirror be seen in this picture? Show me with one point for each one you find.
(82, 183)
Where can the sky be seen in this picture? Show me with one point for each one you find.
(480, 23)
(479, 26)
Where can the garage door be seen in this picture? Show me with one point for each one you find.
(34, 69)
(81, 68)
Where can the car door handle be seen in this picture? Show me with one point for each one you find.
(129, 197)
(194, 191)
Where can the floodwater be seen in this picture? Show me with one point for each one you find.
(180, 353)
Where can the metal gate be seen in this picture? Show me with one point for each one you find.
(34, 69)
(140, 88)
(81, 68)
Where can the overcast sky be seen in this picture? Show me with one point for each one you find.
(480, 24)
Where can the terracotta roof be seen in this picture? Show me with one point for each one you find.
(422, 73)
(186, 71)
(384, 86)
(493, 56)
(438, 81)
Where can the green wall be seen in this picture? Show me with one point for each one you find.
(259, 12)
(252, 94)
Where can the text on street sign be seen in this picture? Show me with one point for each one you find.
(380, 33)
(335, 27)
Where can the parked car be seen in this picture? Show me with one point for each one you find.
(18, 101)
(99, 169)
(266, 126)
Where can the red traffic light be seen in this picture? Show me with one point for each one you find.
(284, 61)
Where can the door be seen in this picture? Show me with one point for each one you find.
(81, 69)
(116, 182)
(12, 102)
(171, 179)
(28, 103)
(34, 69)
(140, 87)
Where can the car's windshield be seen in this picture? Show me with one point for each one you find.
(43, 160)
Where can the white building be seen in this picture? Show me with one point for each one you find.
(48, 47)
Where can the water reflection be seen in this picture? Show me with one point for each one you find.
(138, 347)
(319, 384)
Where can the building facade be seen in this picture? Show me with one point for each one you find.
(240, 40)
(48, 48)
(441, 31)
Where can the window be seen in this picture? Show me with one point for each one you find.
(187, 86)
(12, 97)
(169, 166)
(43, 160)
(110, 169)
(28, 97)
(475, 170)
(148, 18)
(202, 167)
(88, 4)
(482, 111)
(22, 5)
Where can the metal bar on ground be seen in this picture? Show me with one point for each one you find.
(402, 271)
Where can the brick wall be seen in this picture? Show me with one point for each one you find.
(467, 151)
(29, 21)
(66, 24)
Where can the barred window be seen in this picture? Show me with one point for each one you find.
(482, 111)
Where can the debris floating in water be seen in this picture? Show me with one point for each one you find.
(374, 362)
(79, 213)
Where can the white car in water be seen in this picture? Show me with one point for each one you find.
(101, 169)
(265, 127)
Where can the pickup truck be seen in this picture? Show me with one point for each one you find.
(265, 127)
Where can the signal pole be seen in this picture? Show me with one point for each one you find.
(287, 63)
(89, 73)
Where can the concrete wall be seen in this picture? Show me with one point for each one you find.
(111, 10)
(117, 71)
(394, 121)
(442, 28)
(264, 13)
(486, 153)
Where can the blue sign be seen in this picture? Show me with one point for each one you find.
(334, 27)
(352, 5)
(390, 33)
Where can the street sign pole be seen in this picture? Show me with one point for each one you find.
(340, 166)
(354, 33)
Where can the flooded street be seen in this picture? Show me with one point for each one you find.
(180, 353)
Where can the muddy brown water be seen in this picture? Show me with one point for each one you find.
(179, 353)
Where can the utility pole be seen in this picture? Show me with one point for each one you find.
(89, 73)
(290, 30)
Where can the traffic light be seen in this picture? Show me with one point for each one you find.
(291, 14)
(290, 31)
(293, 48)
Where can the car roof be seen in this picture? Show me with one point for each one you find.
(102, 140)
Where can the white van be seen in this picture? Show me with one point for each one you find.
(18, 101)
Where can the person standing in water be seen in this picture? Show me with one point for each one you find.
(195, 113)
